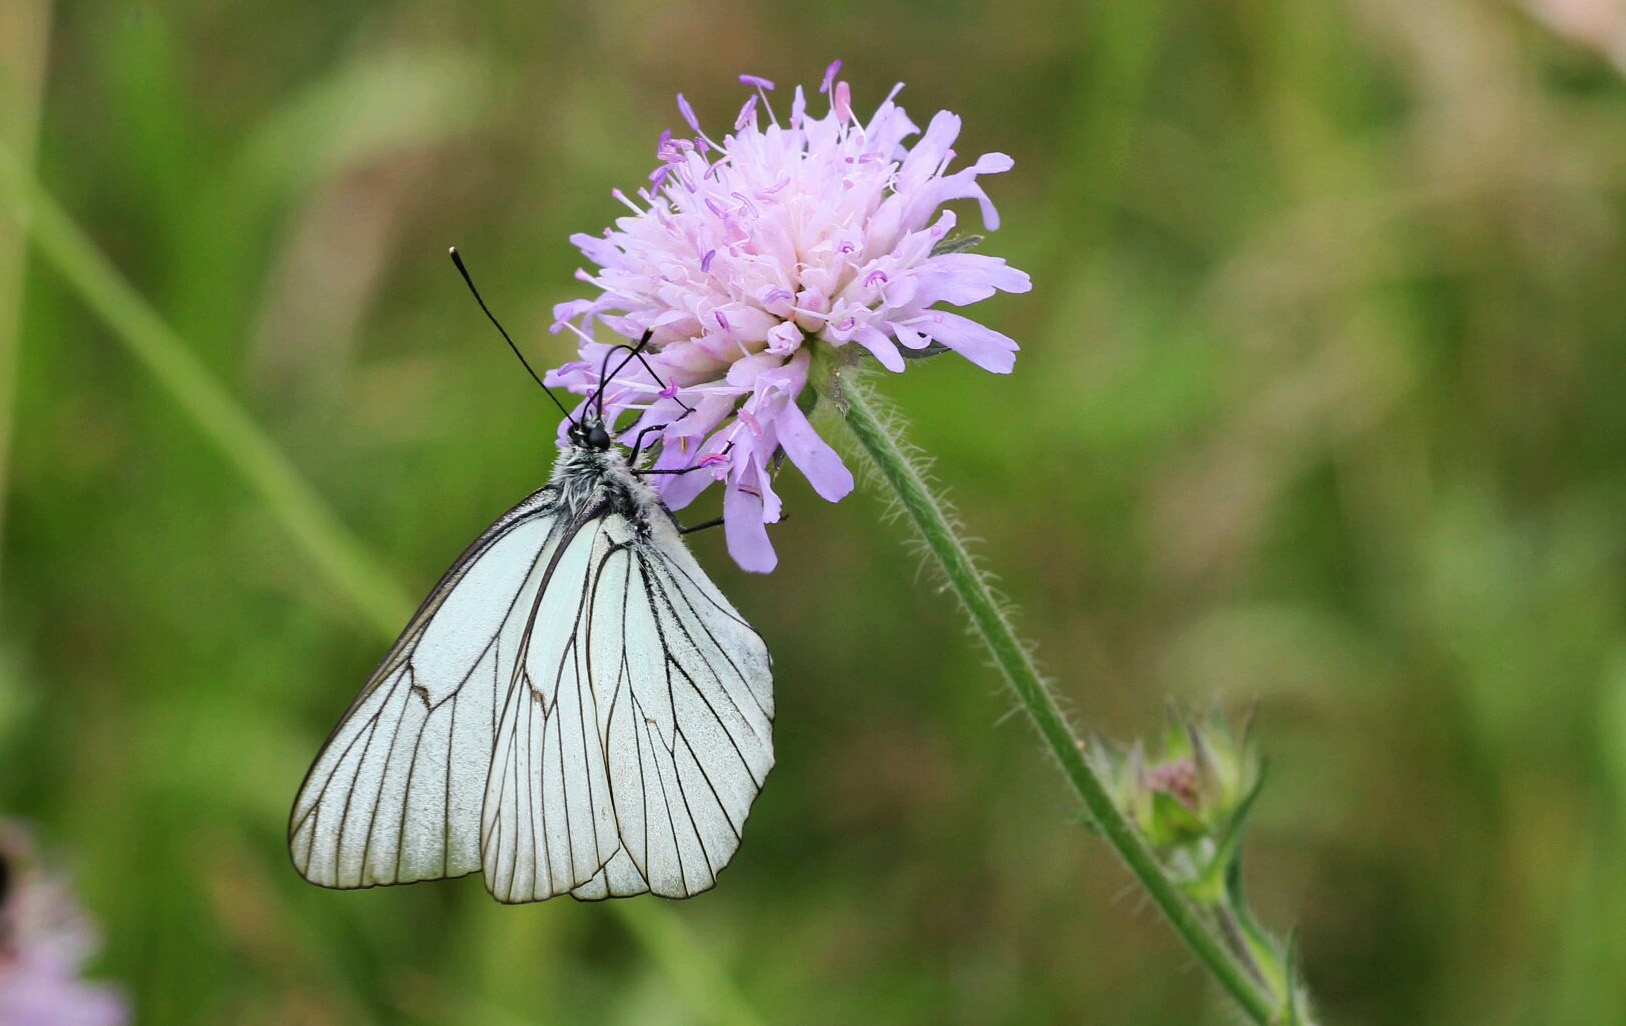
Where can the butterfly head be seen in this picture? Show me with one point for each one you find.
(589, 433)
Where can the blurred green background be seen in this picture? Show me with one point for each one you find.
(1322, 403)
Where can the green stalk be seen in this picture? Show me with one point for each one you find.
(25, 36)
(336, 553)
(929, 516)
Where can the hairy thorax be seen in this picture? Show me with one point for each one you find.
(585, 477)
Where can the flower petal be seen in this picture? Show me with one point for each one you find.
(747, 535)
(983, 346)
(964, 278)
(883, 348)
(812, 455)
(678, 490)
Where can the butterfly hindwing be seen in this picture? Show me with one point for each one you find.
(638, 730)
(690, 717)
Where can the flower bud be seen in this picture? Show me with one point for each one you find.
(1189, 799)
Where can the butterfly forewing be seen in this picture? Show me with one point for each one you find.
(395, 794)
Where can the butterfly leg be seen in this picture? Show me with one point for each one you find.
(638, 443)
(716, 522)
(684, 470)
(674, 470)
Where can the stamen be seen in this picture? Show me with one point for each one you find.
(688, 113)
(843, 104)
(694, 122)
(584, 336)
(830, 75)
(748, 113)
(667, 148)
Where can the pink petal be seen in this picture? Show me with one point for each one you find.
(709, 411)
(882, 347)
(812, 454)
(743, 374)
(964, 278)
(747, 535)
(909, 338)
(928, 153)
(983, 346)
(678, 490)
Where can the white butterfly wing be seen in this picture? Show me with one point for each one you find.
(395, 794)
(638, 730)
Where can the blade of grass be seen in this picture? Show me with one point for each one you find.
(332, 550)
(25, 33)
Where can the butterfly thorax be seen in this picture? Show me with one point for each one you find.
(586, 476)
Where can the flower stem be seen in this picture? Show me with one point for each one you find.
(928, 513)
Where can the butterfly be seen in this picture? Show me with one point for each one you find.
(574, 709)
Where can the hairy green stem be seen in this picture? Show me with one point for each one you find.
(930, 517)
(336, 553)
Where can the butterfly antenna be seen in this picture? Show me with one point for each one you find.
(457, 258)
(634, 353)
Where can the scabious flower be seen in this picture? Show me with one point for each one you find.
(44, 939)
(757, 264)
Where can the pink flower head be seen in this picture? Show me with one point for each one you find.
(44, 939)
(753, 260)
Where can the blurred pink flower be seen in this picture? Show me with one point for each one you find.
(752, 261)
(44, 940)
(1599, 25)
